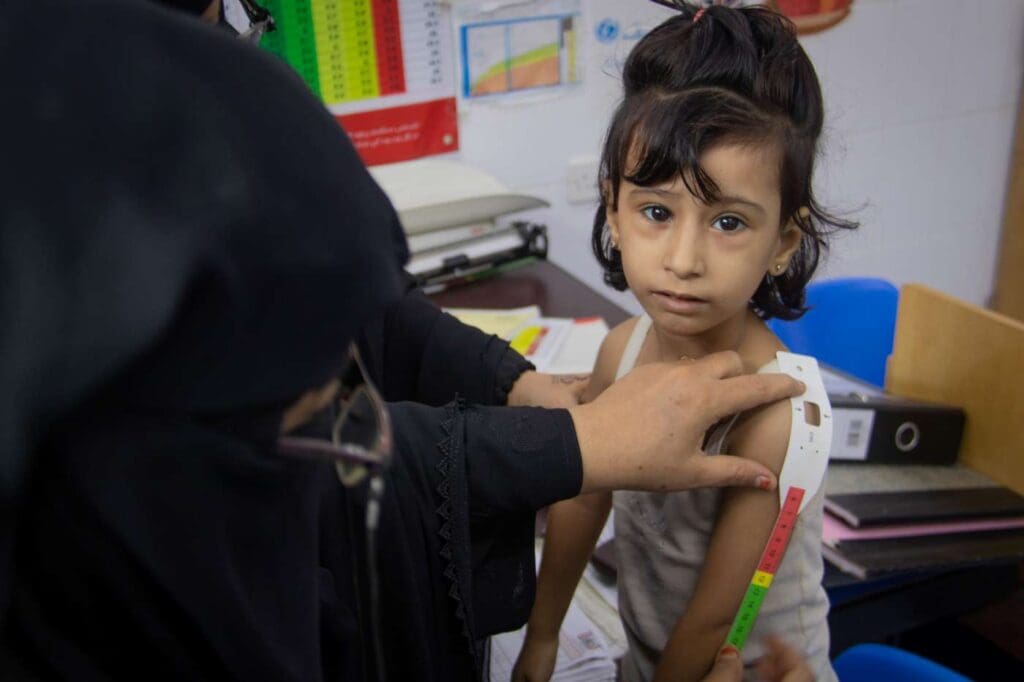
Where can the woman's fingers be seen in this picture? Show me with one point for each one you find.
(782, 663)
(728, 667)
(714, 471)
(644, 432)
(719, 365)
(738, 394)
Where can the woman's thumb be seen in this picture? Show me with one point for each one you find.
(727, 470)
(728, 666)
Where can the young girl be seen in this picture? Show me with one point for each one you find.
(709, 218)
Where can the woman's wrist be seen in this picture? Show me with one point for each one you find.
(523, 388)
(510, 372)
(547, 390)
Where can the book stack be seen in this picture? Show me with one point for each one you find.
(881, 519)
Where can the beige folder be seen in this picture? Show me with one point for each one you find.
(949, 351)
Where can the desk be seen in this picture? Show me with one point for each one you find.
(861, 610)
(540, 283)
(874, 610)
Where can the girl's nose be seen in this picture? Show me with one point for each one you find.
(684, 252)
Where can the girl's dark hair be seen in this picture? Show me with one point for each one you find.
(734, 76)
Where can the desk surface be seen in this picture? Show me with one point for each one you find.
(540, 283)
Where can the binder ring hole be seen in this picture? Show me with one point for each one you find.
(908, 435)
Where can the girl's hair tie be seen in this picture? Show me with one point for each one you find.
(699, 14)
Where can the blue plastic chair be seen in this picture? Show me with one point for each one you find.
(850, 326)
(877, 662)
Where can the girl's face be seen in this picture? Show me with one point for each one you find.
(695, 266)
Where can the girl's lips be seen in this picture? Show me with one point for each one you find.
(678, 303)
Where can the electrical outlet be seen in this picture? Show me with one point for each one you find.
(581, 180)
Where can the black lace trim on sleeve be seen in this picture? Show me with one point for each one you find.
(454, 530)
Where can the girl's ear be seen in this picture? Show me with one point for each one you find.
(789, 242)
(611, 214)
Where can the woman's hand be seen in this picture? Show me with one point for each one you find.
(728, 667)
(536, 661)
(783, 663)
(548, 390)
(645, 431)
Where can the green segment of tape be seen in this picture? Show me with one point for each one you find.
(746, 616)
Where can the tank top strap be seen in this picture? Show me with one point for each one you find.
(633, 345)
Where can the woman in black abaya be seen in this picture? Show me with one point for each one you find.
(188, 243)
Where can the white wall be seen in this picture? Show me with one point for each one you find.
(921, 100)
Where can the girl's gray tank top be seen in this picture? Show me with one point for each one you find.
(660, 542)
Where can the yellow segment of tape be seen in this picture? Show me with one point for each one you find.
(763, 579)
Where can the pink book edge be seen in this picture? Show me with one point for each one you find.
(833, 530)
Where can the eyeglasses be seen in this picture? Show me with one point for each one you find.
(363, 426)
(361, 441)
(260, 21)
(360, 447)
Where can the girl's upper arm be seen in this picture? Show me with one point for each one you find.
(745, 520)
(747, 515)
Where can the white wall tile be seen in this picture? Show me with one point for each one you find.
(918, 59)
(934, 193)
(988, 56)
(977, 169)
(852, 183)
(852, 63)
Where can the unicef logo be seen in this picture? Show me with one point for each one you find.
(607, 30)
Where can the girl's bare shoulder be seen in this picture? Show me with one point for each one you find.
(608, 357)
(759, 346)
(762, 433)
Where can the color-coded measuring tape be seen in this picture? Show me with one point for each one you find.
(810, 438)
(766, 569)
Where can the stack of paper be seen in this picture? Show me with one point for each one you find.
(579, 350)
(583, 655)
(498, 321)
(559, 345)
(540, 339)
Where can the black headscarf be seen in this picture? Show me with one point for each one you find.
(188, 241)
(193, 6)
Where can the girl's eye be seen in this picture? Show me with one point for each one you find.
(729, 223)
(656, 213)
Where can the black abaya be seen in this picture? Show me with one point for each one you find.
(188, 242)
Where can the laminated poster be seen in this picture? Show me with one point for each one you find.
(517, 45)
(382, 67)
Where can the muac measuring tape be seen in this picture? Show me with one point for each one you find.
(810, 438)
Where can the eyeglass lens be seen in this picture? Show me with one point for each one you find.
(359, 423)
